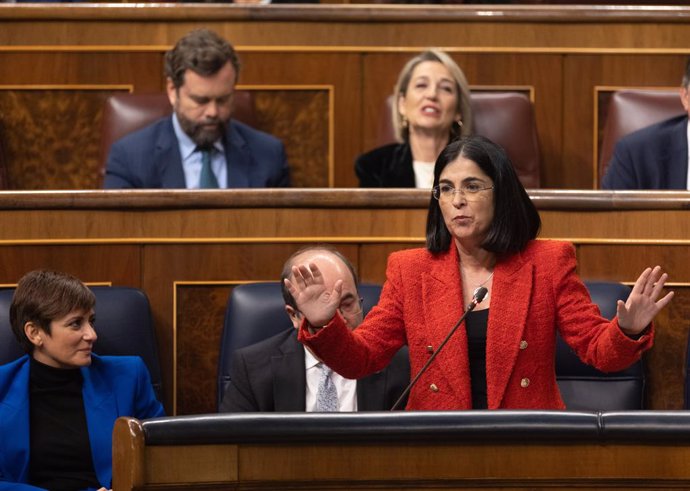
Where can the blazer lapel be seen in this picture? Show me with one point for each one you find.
(167, 159)
(400, 170)
(101, 412)
(289, 377)
(14, 426)
(676, 156)
(238, 158)
(512, 286)
(443, 306)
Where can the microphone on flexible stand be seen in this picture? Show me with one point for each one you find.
(479, 295)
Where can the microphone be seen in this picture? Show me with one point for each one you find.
(477, 297)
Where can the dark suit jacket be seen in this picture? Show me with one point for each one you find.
(655, 157)
(150, 159)
(271, 376)
(114, 386)
(389, 166)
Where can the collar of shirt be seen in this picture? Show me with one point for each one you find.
(346, 388)
(191, 158)
(310, 361)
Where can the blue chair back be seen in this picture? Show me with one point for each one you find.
(123, 324)
(256, 311)
(584, 388)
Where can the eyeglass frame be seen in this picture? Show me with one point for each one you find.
(464, 191)
(359, 303)
(360, 308)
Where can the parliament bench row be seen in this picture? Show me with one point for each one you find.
(405, 450)
(255, 311)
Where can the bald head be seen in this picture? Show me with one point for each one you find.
(333, 266)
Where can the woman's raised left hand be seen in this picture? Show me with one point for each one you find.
(635, 314)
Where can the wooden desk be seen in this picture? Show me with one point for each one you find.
(420, 451)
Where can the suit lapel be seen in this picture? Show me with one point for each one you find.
(167, 159)
(238, 158)
(676, 155)
(371, 392)
(443, 306)
(512, 284)
(289, 376)
(101, 412)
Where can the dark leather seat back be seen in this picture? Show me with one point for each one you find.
(506, 118)
(123, 323)
(632, 110)
(256, 311)
(585, 388)
(126, 113)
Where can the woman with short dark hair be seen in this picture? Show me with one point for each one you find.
(481, 228)
(59, 402)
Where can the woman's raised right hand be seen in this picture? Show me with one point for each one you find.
(311, 296)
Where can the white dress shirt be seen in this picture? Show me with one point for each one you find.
(191, 159)
(346, 388)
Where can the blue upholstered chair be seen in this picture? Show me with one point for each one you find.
(586, 388)
(255, 312)
(123, 324)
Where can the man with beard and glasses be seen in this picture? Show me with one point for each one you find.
(199, 146)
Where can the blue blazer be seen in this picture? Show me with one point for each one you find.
(655, 157)
(150, 159)
(114, 386)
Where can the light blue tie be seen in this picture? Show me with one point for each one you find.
(207, 180)
(326, 394)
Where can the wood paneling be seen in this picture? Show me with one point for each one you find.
(354, 54)
(51, 138)
(582, 74)
(108, 263)
(300, 118)
(186, 249)
(199, 325)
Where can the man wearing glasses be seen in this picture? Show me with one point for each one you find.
(303, 382)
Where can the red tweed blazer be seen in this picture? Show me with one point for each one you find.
(534, 293)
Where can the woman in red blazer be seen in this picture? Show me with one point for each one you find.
(481, 228)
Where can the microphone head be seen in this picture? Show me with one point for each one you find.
(479, 294)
